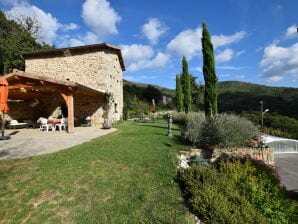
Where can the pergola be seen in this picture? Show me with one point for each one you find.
(26, 86)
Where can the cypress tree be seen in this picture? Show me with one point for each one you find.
(186, 88)
(210, 94)
(179, 94)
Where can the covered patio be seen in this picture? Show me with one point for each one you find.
(40, 95)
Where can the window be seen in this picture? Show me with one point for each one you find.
(115, 107)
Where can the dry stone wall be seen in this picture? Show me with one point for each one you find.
(264, 154)
(99, 70)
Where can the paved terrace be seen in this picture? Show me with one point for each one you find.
(30, 142)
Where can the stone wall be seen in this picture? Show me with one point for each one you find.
(264, 154)
(100, 70)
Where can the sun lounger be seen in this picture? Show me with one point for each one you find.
(13, 124)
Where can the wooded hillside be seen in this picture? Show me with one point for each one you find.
(233, 97)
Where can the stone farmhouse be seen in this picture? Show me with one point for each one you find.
(78, 82)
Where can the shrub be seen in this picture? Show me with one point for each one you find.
(222, 131)
(198, 160)
(179, 117)
(191, 126)
(260, 185)
(235, 191)
(213, 198)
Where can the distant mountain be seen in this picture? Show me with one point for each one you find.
(233, 96)
(236, 97)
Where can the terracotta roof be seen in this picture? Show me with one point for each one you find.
(75, 50)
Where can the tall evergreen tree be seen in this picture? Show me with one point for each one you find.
(179, 94)
(186, 88)
(210, 94)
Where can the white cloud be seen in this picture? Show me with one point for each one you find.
(148, 77)
(291, 32)
(137, 57)
(275, 79)
(89, 38)
(49, 25)
(100, 17)
(225, 55)
(223, 40)
(136, 52)
(278, 62)
(159, 61)
(73, 42)
(187, 43)
(154, 29)
(71, 26)
(79, 40)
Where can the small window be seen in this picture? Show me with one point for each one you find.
(116, 109)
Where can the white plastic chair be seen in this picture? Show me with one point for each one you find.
(44, 125)
(61, 126)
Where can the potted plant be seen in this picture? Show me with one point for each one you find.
(107, 122)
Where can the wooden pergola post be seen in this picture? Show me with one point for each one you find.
(70, 109)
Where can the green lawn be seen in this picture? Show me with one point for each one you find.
(125, 177)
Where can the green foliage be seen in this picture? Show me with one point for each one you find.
(179, 94)
(237, 97)
(138, 108)
(214, 199)
(260, 185)
(125, 113)
(223, 130)
(138, 98)
(210, 94)
(197, 94)
(186, 88)
(235, 192)
(275, 124)
(179, 118)
(124, 177)
(14, 40)
(191, 126)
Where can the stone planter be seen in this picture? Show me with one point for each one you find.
(107, 123)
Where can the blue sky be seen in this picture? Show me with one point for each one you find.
(254, 40)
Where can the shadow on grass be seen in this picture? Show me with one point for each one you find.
(156, 126)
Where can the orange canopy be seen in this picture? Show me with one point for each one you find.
(3, 95)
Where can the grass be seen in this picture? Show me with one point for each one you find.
(125, 177)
